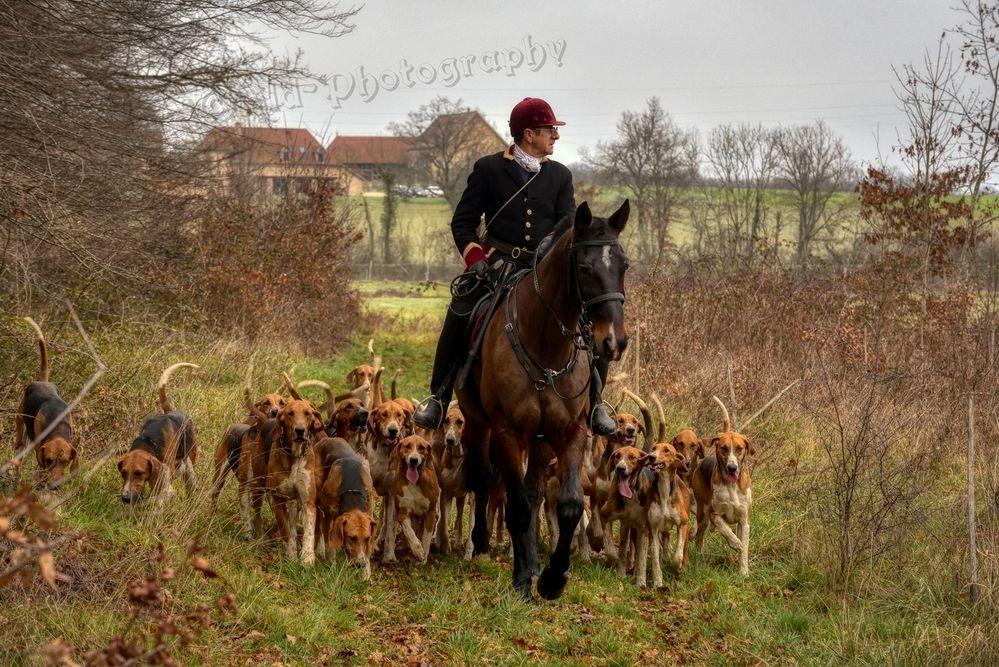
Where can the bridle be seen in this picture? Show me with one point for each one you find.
(582, 338)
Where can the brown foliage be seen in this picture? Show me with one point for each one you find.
(279, 269)
(156, 620)
(880, 410)
(914, 222)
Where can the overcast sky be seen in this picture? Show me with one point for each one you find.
(711, 62)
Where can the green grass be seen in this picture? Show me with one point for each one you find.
(449, 611)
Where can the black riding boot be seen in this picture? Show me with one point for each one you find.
(600, 421)
(450, 353)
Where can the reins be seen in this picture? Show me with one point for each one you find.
(582, 339)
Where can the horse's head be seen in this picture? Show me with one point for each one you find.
(597, 264)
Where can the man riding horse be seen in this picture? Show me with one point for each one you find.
(522, 196)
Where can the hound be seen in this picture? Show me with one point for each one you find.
(387, 424)
(630, 484)
(165, 446)
(724, 490)
(415, 495)
(294, 475)
(238, 437)
(345, 504)
(667, 505)
(41, 406)
(449, 454)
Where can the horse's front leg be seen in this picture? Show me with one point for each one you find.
(507, 456)
(537, 460)
(553, 579)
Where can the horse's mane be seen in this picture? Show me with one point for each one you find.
(562, 226)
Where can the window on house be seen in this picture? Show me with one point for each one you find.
(321, 156)
(279, 185)
(285, 154)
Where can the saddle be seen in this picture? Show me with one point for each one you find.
(506, 278)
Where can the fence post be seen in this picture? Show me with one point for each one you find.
(972, 546)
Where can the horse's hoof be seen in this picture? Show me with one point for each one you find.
(524, 588)
(551, 584)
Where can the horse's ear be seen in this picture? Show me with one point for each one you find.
(620, 217)
(583, 216)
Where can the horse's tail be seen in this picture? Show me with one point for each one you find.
(646, 415)
(162, 399)
(662, 418)
(726, 422)
(43, 352)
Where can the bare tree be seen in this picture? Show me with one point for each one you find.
(742, 159)
(447, 138)
(816, 164)
(655, 160)
(975, 109)
(97, 100)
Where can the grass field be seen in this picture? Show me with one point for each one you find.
(446, 612)
(422, 232)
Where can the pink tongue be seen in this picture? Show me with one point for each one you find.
(732, 478)
(624, 488)
(412, 474)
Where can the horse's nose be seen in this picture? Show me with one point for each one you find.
(614, 346)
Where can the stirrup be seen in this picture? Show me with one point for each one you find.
(600, 420)
(424, 413)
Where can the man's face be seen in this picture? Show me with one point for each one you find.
(540, 141)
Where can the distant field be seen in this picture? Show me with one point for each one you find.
(423, 233)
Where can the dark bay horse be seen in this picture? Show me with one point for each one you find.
(530, 390)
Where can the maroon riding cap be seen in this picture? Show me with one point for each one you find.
(531, 112)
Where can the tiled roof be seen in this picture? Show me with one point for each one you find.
(368, 150)
(262, 145)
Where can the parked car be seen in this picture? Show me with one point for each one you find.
(435, 191)
(418, 191)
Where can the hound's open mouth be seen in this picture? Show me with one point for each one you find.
(624, 487)
(412, 473)
(629, 440)
(731, 478)
(391, 441)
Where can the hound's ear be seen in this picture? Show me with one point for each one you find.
(317, 421)
(155, 468)
(641, 429)
(714, 442)
(749, 446)
(72, 457)
(620, 217)
(350, 377)
(583, 216)
(700, 448)
(644, 458)
(121, 465)
(336, 533)
(615, 457)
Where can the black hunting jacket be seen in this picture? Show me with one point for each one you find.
(527, 219)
